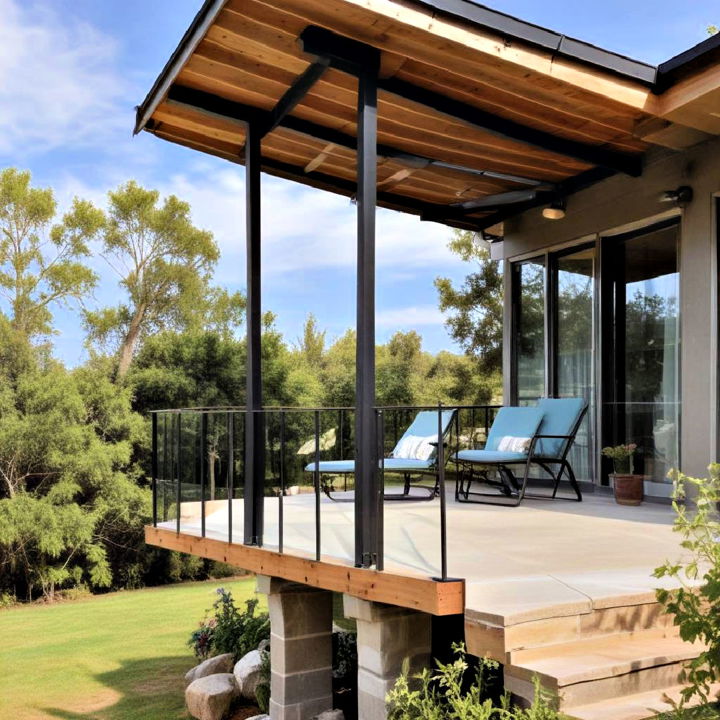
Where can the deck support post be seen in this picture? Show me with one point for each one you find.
(300, 649)
(386, 636)
(366, 474)
(254, 435)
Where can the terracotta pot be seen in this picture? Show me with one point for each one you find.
(628, 489)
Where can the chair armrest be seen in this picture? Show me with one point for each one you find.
(435, 443)
(554, 437)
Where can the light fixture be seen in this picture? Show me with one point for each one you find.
(682, 196)
(555, 210)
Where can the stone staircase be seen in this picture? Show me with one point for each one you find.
(613, 663)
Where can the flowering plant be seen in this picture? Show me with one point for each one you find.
(622, 457)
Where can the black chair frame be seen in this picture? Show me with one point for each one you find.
(508, 485)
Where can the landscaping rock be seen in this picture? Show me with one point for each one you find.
(259, 717)
(247, 673)
(330, 715)
(264, 645)
(211, 666)
(210, 697)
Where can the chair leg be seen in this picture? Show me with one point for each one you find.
(573, 481)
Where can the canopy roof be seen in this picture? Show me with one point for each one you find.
(480, 115)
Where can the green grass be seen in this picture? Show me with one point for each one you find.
(120, 656)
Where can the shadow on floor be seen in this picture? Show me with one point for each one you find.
(145, 689)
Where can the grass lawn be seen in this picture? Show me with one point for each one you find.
(120, 656)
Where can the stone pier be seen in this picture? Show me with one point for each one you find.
(300, 649)
(386, 635)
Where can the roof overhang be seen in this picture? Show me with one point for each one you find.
(480, 115)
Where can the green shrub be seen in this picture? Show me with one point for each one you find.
(262, 692)
(229, 630)
(695, 606)
(442, 695)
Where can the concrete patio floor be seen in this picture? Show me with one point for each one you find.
(540, 560)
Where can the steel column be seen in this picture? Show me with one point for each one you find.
(366, 475)
(254, 436)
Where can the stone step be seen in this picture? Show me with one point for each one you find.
(640, 706)
(596, 669)
(500, 640)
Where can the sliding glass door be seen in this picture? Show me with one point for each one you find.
(642, 327)
(554, 331)
(529, 330)
(573, 283)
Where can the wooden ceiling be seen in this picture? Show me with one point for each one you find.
(463, 114)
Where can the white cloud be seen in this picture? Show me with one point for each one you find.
(58, 83)
(303, 228)
(409, 317)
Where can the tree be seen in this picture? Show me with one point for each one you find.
(69, 495)
(41, 263)
(164, 263)
(475, 308)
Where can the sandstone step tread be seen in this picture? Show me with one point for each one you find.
(603, 657)
(641, 706)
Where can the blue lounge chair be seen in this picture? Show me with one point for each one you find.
(522, 436)
(414, 455)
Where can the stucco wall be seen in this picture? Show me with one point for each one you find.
(620, 202)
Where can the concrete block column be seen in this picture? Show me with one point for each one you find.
(300, 649)
(386, 635)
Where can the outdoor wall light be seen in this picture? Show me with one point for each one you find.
(682, 196)
(554, 211)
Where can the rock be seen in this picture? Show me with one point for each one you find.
(264, 645)
(210, 697)
(259, 717)
(211, 666)
(247, 673)
(330, 715)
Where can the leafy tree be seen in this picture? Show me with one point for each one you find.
(312, 343)
(69, 491)
(476, 307)
(164, 264)
(41, 262)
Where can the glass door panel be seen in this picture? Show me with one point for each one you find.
(529, 288)
(646, 408)
(574, 289)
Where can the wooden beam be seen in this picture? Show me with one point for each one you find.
(410, 591)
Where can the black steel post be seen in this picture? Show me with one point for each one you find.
(154, 469)
(366, 469)
(254, 435)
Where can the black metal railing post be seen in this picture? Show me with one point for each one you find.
(443, 499)
(166, 475)
(281, 499)
(178, 473)
(203, 454)
(230, 424)
(316, 475)
(154, 469)
(380, 557)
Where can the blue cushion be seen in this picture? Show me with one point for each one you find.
(489, 457)
(391, 465)
(559, 418)
(516, 421)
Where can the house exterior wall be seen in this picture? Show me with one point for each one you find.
(622, 203)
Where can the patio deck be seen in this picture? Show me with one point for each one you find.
(539, 559)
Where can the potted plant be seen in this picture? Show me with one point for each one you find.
(628, 486)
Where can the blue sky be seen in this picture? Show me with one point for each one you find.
(71, 72)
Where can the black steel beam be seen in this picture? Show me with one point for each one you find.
(207, 102)
(321, 42)
(254, 437)
(366, 468)
(343, 53)
(294, 94)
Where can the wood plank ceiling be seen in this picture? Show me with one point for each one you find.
(432, 156)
